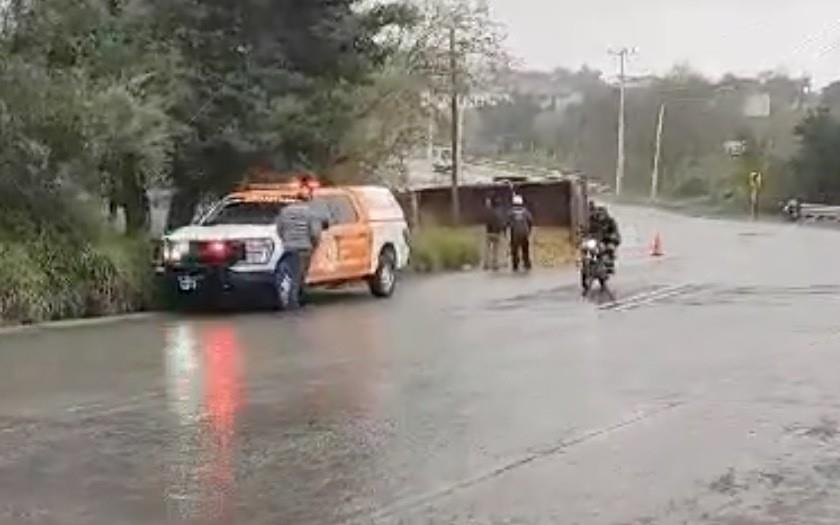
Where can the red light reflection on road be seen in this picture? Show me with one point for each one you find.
(223, 377)
(223, 399)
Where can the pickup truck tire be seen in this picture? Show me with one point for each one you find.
(384, 281)
(282, 285)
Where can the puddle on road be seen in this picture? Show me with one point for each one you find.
(549, 298)
(755, 234)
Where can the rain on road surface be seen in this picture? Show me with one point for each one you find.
(707, 394)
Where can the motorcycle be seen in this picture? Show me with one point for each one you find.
(594, 265)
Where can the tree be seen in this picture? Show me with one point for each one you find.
(510, 125)
(85, 89)
(817, 164)
(458, 48)
(270, 83)
(830, 98)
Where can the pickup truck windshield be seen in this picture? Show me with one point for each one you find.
(241, 212)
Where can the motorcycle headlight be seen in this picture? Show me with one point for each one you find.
(590, 244)
(174, 251)
(258, 251)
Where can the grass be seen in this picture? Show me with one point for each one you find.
(438, 249)
(444, 249)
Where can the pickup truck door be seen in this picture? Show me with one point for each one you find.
(352, 236)
(325, 264)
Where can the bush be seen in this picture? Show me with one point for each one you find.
(444, 249)
(440, 249)
(51, 275)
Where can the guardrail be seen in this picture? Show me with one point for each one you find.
(820, 212)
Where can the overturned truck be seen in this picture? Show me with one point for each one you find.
(558, 206)
(553, 203)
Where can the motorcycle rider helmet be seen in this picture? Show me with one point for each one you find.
(601, 211)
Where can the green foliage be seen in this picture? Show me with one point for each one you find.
(102, 99)
(444, 249)
(571, 118)
(276, 84)
(817, 165)
(86, 88)
(52, 276)
(116, 97)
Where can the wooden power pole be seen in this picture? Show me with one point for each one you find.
(456, 127)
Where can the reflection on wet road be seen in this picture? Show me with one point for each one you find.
(705, 393)
(204, 392)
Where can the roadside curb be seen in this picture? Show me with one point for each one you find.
(77, 323)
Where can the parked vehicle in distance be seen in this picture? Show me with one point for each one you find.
(235, 250)
(442, 160)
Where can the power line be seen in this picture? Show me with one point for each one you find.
(813, 37)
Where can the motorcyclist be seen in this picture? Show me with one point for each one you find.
(793, 209)
(604, 228)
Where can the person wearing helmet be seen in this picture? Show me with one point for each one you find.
(604, 228)
(520, 224)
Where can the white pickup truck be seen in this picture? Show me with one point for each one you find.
(234, 250)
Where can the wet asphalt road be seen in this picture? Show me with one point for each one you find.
(707, 393)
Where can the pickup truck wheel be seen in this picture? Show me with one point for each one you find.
(384, 281)
(283, 285)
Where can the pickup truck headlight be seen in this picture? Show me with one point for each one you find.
(174, 251)
(258, 251)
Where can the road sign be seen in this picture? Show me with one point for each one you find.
(756, 181)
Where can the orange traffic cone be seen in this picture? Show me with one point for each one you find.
(656, 246)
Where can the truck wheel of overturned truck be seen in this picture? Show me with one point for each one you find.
(384, 281)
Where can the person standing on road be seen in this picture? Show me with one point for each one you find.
(520, 223)
(495, 224)
(300, 230)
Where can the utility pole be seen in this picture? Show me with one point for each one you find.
(654, 180)
(660, 128)
(430, 137)
(430, 127)
(622, 55)
(456, 127)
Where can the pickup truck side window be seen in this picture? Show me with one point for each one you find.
(342, 210)
(321, 209)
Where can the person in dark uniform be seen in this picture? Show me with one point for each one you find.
(520, 223)
(495, 223)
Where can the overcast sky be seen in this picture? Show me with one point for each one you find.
(714, 36)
